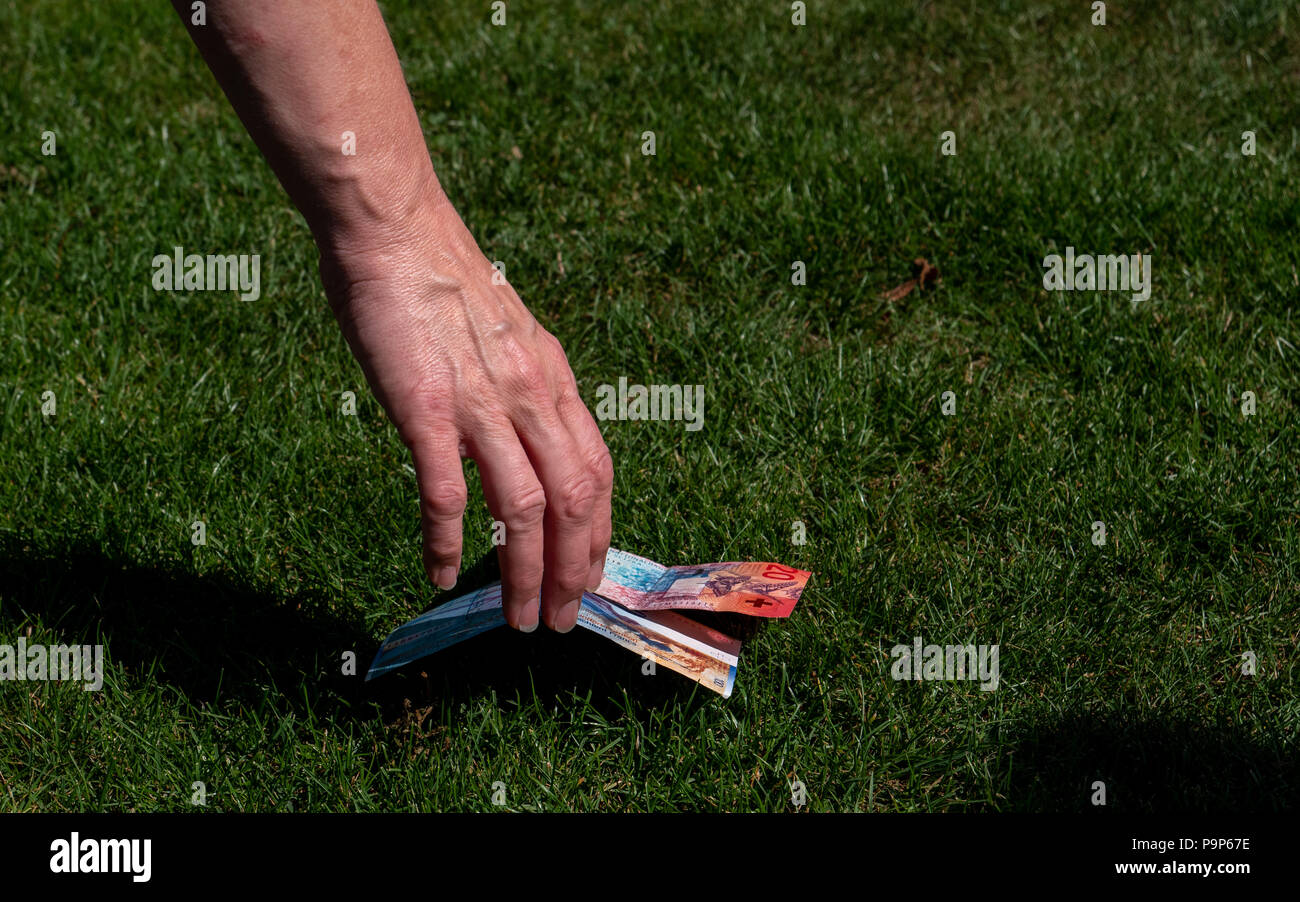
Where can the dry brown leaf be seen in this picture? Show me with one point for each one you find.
(924, 275)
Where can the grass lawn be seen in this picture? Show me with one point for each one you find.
(1119, 662)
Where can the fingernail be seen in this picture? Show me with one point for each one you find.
(529, 619)
(563, 616)
(447, 578)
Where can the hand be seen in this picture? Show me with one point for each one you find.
(464, 370)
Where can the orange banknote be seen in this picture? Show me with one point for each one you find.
(762, 590)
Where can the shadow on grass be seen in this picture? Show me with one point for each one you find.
(1174, 765)
(215, 637)
(218, 637)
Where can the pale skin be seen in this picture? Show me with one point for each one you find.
(459, 364)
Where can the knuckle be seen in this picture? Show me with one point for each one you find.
(568, 395)
(522, 588)
(521, 575)
(602, 469)
(446, 500)
(574, 499)
(524, 508)
(524, 370)
(572, 578)
(527, 378)
(442, 550)
(554, 345)
(423, 418)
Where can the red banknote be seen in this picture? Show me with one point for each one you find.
(761, 590)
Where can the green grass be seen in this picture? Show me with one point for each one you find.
(1118, 663)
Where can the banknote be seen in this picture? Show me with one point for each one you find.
(761, 590)
(670, 640)
(632, 607)
(459, 619)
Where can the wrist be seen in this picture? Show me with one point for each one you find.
(411, 222)
(355, 205)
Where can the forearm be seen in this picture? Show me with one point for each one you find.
(301, 73)
(461, 366)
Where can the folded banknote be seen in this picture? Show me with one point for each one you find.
(762, 590)
(631, 609)
(693, 650)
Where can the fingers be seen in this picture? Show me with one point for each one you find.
(546, 475)
(548, 478)
(596, 458)
(516, 498)
(570, 497)
(436, 454)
